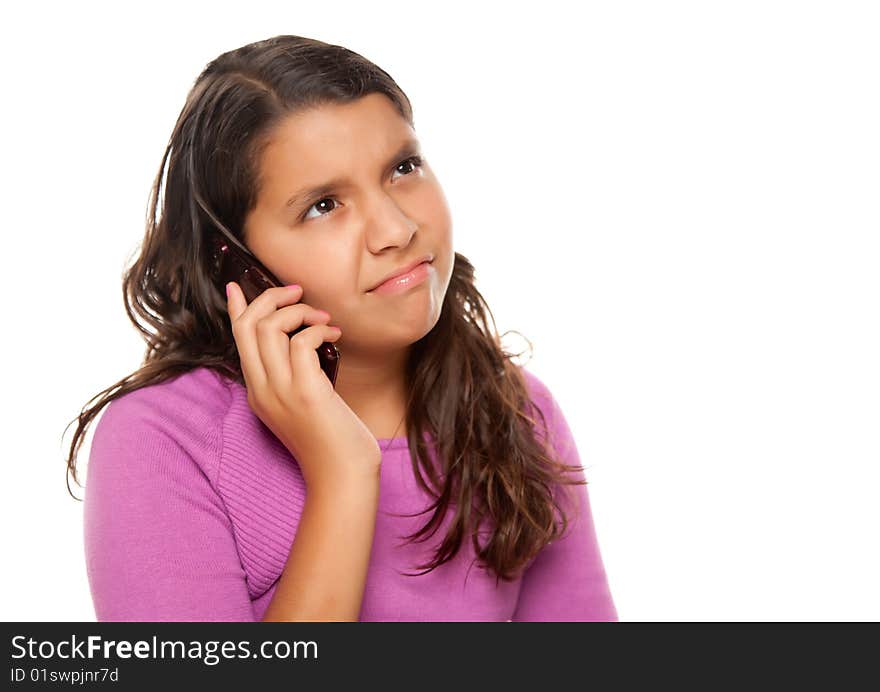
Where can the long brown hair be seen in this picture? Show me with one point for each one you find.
(464, 388)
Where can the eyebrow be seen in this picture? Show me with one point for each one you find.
(409, 148)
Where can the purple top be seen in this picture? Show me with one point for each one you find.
(191, 506)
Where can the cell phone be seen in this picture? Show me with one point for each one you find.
(230, 263)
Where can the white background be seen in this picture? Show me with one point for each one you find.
(676, 202)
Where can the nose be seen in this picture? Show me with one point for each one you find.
(389, 225)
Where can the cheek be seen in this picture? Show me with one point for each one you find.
(328, 276)
(438, 208)
(442, 225)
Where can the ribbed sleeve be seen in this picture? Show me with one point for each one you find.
(264, 491)
(567, 580)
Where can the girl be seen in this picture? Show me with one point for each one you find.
(229, 479)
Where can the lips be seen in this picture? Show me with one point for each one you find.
(403, 270)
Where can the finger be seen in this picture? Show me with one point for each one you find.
(263, 305)
(304, 348)
(273, 340)
(273, 298)
(244, 317)
(235, 301)
(245, 340)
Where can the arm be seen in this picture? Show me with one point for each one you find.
(158, 543)
(326, 570)
(567, 580)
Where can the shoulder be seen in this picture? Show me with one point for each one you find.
(552, 420)
(193, 399)
(200, 391)
(183, 414)
(537, 388)
(539, 392)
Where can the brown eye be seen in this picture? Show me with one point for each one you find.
(414, 161)
(318, 204)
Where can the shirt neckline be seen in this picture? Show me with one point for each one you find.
(386, 443)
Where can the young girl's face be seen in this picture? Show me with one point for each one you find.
(381, 210)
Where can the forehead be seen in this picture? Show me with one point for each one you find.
(334, 138)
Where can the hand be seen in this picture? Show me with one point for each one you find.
(289, 392)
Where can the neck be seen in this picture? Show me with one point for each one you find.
(374, 387)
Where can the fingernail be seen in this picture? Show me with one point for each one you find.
(227, 288)
(292, 286)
